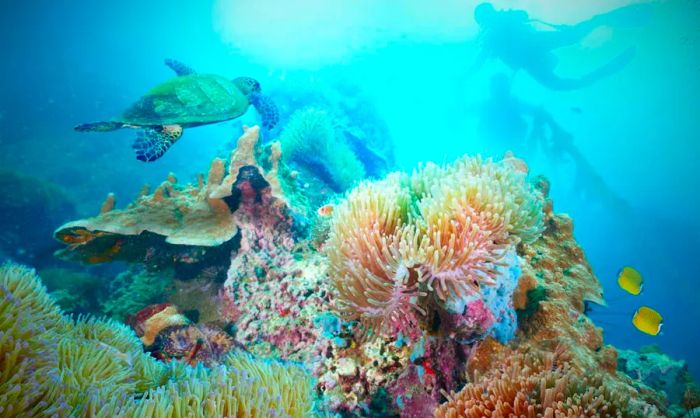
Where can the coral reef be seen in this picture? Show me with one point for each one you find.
(54, 366)
(355, 118)
(135, 289)
(662, 373)
(555, 284)
(75, 291)
(31, 209)
(454, 284)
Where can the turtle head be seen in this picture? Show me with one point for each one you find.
(247, 85)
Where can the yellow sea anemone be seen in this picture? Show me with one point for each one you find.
(53, 366)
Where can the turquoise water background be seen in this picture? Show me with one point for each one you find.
(639, 129)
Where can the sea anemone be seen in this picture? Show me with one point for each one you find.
(536, 385)
(368, 252)
(53, 366)
(441, 231)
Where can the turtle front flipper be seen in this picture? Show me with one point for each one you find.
(179, 68)
(267, 109)
(99, 126)
(152, 143)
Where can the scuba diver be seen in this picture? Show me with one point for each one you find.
(505, 119)
(513, 37)
(511, 124)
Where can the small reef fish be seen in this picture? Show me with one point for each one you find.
(326, 210)
(125, 357)
(647, 320)
(630, 280)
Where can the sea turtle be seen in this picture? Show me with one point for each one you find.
(186, 101)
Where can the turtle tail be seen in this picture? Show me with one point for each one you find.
(267, 109)
(151, 144)
(99, 126)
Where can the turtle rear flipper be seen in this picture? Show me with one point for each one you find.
(179, 68)
(99, 126)
(267, 109)
(151, 144)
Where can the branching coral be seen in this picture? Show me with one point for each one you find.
(53, 366)
(537, 385)
(442, 231)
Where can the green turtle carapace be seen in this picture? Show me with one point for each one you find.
(186, 101)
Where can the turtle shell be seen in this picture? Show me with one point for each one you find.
(190, 100)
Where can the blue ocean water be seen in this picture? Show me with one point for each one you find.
(636, 129)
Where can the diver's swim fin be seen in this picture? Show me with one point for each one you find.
(632, 16)
(151, 144)
(613, 66)
(554, 82)
(266, 108)
(99, 126)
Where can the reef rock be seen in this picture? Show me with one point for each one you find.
(31, 208)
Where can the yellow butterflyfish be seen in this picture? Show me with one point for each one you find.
(630, 280)
(648, 320)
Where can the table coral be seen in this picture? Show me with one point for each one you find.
(186, 223)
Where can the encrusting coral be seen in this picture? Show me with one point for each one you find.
(54, 366)
(441, 232)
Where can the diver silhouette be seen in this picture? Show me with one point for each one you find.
(513, 37)
(504, 119)
(508, 123)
